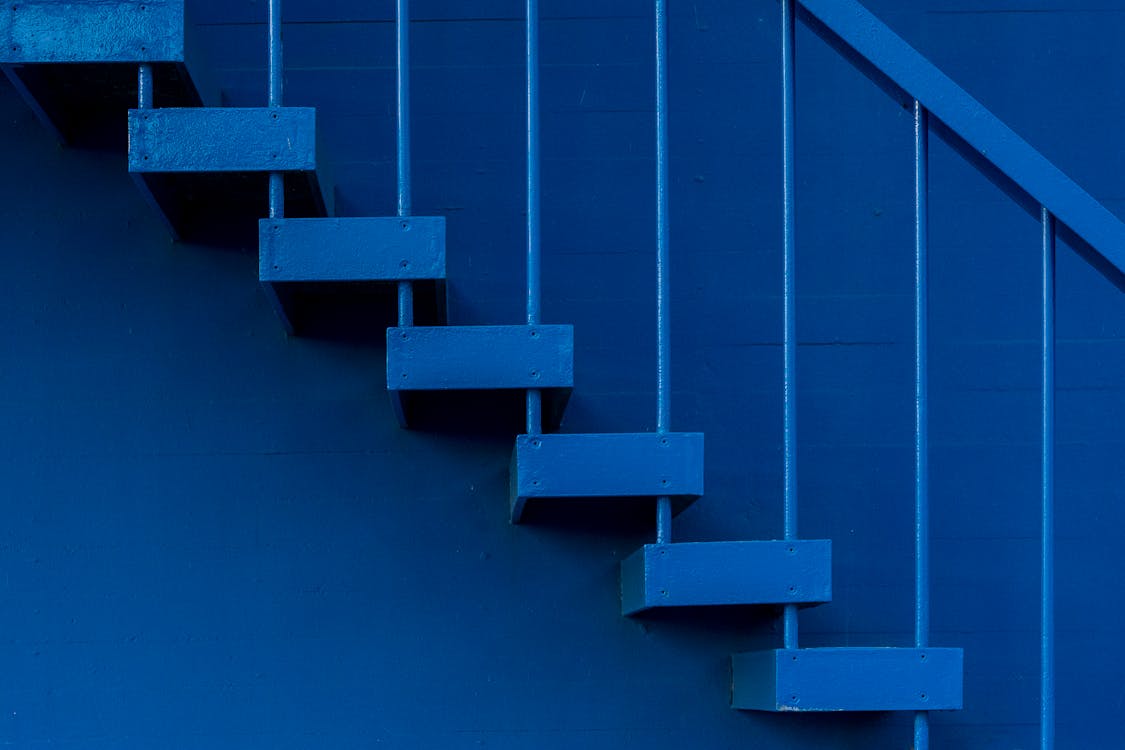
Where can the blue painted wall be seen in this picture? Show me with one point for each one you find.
(217, 537)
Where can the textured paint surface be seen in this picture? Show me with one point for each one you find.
(426, 358)
(215, 536)
(849, 679)
(381, 248)
(727, 573)
(609, 465)
(223, 139)
(91, 31)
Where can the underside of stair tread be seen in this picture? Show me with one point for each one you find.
(619, 468)
(765, 572)
(848, 679)
(426, 361)
(306, 265)
(76, 63)
(206, 170)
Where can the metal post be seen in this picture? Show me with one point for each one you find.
(534, 226)
(921, 402)
(1047, 598)
(277, 179)
(402, 90)
(144, 86)
(788, 99)
(663, 344)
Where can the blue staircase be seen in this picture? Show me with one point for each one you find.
(212, 171)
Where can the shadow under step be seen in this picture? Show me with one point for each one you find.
(695, 574)
(304, 261)
(848, 679)
(620, 468)
(76, 63)
(432, 360)
(207, 170)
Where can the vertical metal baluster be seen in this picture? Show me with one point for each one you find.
(663, 344)
(402, 90)
(1047, 596)
(534, 395)
(921, 402)
(144, 86)
(277, 179)
(788, 99)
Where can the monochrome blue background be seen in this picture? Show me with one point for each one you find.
(217, 537)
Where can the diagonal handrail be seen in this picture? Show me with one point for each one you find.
(876, 44)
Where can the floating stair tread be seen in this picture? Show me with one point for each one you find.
(206, 168)
(352, 249)
(93, 31)
(480, 357)
(75, 63)
(848, 679)
(307, 262)
(618, 466)
(727, 573)
(223, 139)
(451, 359)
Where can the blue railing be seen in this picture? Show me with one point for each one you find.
(942, 106)
(534, 219)
(402, 144)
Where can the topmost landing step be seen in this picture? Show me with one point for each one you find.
(75, 61)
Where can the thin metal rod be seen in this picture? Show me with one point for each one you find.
(663, 401)
(788, 100)
(1047, 598)
(275, 65)
(921, 402)
(534, 220)
(277, 179)
(534, 411)
(402, 90)
(144, 86)
(402, 150)
(405, 304)
(663, 336)
(534, 224)
(277, 195)
(663, 520)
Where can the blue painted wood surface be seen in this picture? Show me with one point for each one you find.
(352, 249)
(848, 679)
(611, 466)
(216, 535)
(223, 139)
(428, 358)
(697, 574)
(92, 31)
